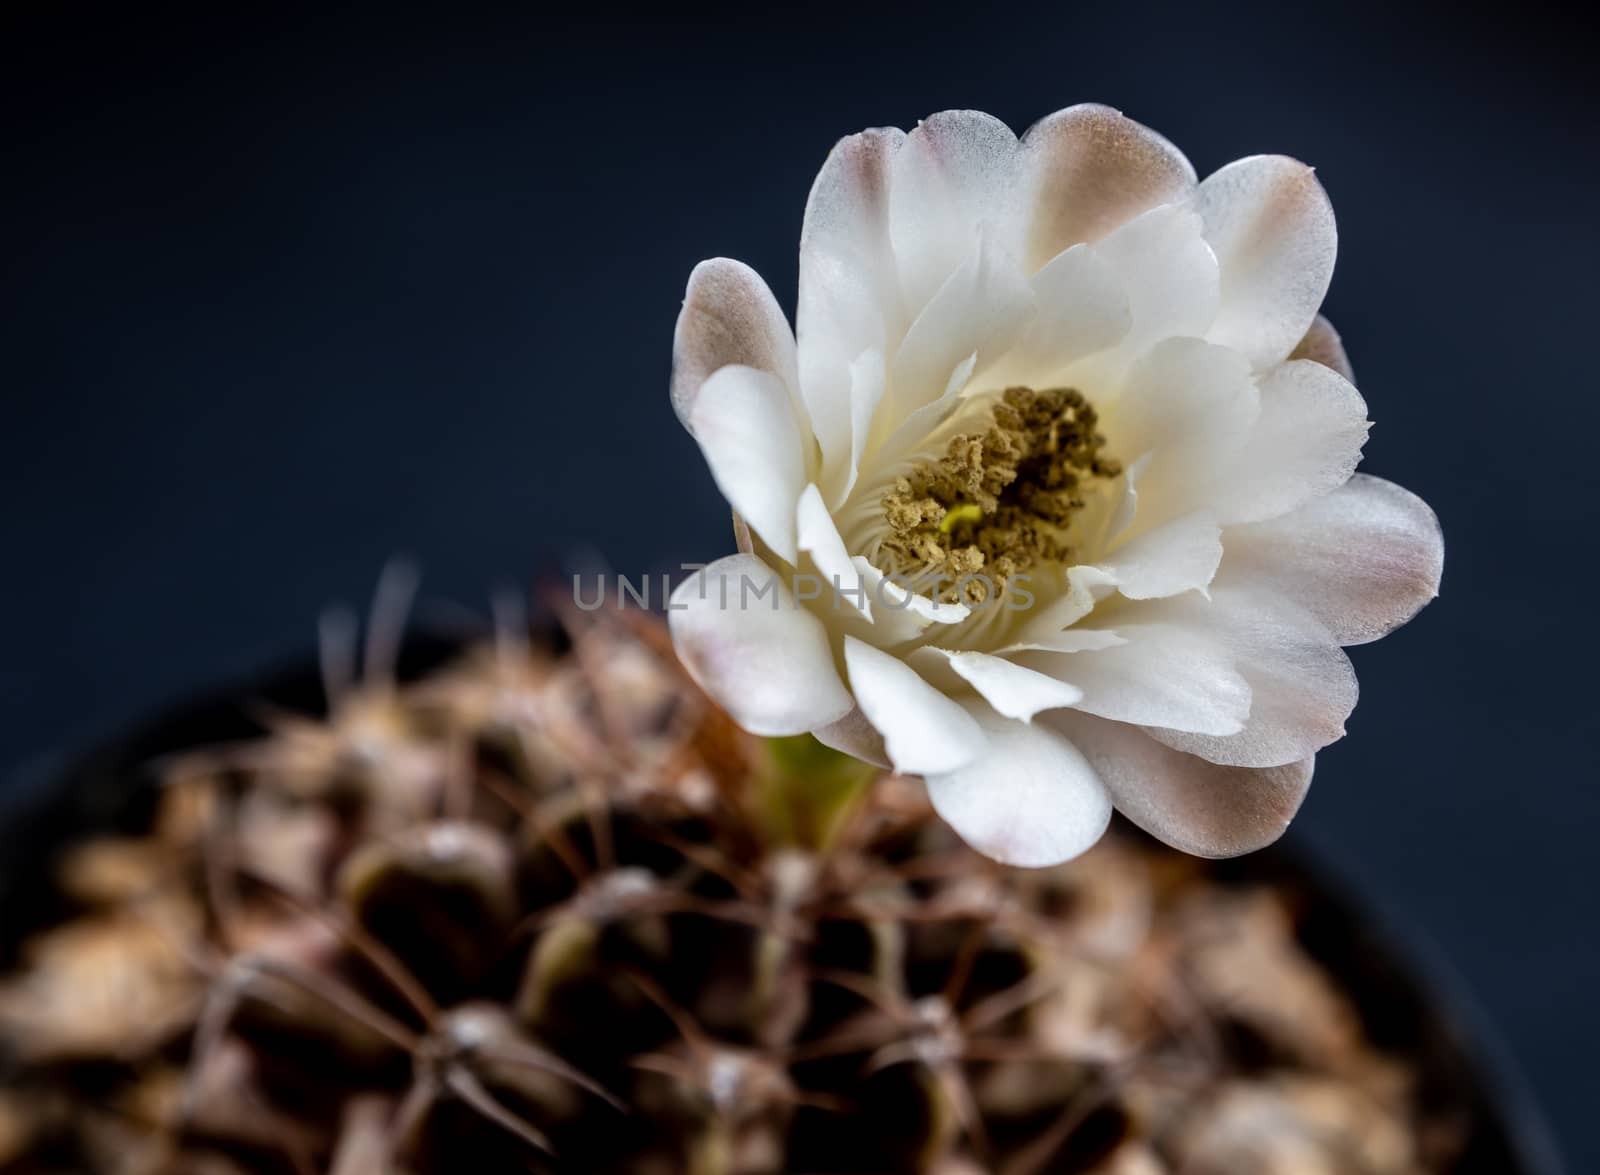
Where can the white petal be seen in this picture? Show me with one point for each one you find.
(1088, 169)
(819, 537)
(729, 317)
(868, 379)
(955, 172)
(1177, 556)
(1271, 226)
(746, 428)
(1192, 805)
(922, 729)
(1073, 640)
(1323, 345)
(893, 596)
(1306, 442)
(1079, 309)
(981, 308)
(748, 644)
(1167, 270)
(1187, 409)
(896, 434)
(1126, 504)
(1182, 386)
(849, 299)
(1165, 674)
(1074, 599)
(1031, 800)
(1363, 559)
(1013, 690)
(1302, 686)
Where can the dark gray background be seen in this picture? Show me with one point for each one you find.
(287, 294)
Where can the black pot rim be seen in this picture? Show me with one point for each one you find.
(49, 800)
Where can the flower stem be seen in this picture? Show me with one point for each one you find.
(808, 789)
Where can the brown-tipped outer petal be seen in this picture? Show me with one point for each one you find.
(1271, 226)
(1190, 804)
(1088, 169)
(1323, 345)
(729, 317)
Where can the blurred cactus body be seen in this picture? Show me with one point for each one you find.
(552, 911)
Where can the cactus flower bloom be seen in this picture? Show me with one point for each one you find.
(1050, 495)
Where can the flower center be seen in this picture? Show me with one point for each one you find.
(1001, 501)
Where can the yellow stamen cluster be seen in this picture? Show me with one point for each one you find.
(1001, 501)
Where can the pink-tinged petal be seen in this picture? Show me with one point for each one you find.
(1088, 169)
(1167, 271)
(1363, 559)
(1166, 673)
(729, 318)
(1302, 686)
(955, 172)
(1271, 226)
(1194, 806)
(1013, 690)
(765, 659)
(922, 729)
(846, 225)
(1177, 556)
(981, 308)
(746, 428)
(849, 299)
(1306, 443)
(1323, 345)
(1030, 800)
(853, 735)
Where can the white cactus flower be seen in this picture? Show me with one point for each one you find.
(1050, 496)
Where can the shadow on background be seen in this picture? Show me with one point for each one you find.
(285, 295)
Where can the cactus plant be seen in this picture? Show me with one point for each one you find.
(548, 909)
